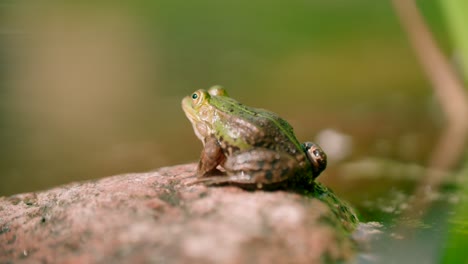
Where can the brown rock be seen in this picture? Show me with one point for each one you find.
(158, 217)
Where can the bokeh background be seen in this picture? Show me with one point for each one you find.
(93, 88)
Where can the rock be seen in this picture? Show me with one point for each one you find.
(158, 217)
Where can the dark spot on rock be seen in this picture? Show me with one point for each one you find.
(274, 163)
(269, 175)
(43, 219)
(12, 240)
(14, 200)
(261, 164)
(73, 246)
(4, 229)
(170, 196)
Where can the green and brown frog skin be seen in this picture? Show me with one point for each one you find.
(254, 146)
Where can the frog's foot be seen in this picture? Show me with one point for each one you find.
(207, 181)
(213, 172)
(189, 176)
(241, 180)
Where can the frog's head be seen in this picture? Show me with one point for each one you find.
(199, 109)
(316, 156)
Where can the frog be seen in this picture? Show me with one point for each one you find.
(255, 147)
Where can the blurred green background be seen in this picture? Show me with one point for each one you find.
(93, 89)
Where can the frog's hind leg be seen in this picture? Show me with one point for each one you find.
(261, 166)
(256, 168)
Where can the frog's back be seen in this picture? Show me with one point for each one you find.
(244, 127)
(278, 132)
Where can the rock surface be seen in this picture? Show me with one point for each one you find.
(158, 217)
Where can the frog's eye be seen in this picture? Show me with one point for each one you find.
(199, 97)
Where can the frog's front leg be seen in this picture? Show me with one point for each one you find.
(211, 156)
(257, 167)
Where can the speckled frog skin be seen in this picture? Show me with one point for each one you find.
(255, 147)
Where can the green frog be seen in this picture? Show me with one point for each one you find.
(254, 146)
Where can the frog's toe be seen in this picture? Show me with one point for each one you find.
(210, 181)
(188, 176)
(241, 179)
(197, 181)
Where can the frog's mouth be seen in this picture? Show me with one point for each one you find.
(188, 110)
(199, 126)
